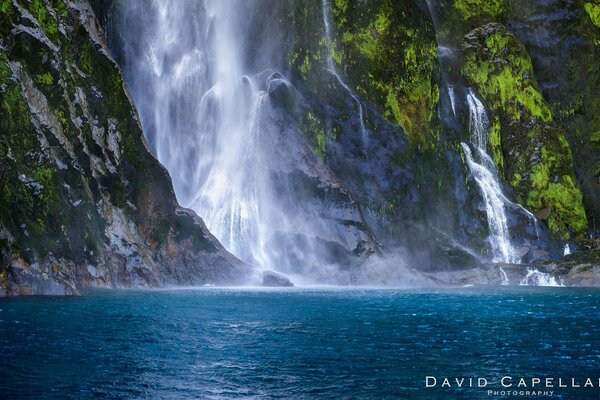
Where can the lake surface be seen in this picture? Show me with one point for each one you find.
(298, 343)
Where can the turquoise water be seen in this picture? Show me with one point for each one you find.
(297, 343)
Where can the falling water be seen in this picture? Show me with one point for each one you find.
(535, 277)
(209, 96)
(505, 281)
(483, 170)
(452, 99)
(203, 116)
(331, 68)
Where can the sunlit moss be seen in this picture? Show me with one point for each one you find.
(476, 8)
(539, 160)
(44, 79)
(314, 130)
(495, 143)
(593, 10)
(390, 53)
(48, 22)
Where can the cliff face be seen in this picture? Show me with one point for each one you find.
(410, 174)
(535, 66)
(83, 203)
(367, 115)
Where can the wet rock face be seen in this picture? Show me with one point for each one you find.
(273, 279)
(528, 145)
(543, 56)
(83, 202)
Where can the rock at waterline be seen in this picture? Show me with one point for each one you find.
(273, 279)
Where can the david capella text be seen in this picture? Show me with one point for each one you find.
(512, 383)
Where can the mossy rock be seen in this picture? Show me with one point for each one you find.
(531, 148)
(385, 51)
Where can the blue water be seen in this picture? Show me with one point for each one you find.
(297, 343)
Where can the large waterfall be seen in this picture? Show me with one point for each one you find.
(202, 116)
(484, 171)
(210, 98)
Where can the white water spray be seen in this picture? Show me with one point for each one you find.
(535, 277)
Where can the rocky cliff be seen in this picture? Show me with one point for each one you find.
(83, 203)
(367, 113)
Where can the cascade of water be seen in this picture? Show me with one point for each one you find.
(478, 121)
(214, 110)
(505, 280)
(535, 277)
(452, 99)
(567, 250)
(202, 115)
(331, 68)
(482, 167)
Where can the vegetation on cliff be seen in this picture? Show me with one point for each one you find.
(536, 155)
(83, 202)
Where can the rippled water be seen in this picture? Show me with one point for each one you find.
(298, 343)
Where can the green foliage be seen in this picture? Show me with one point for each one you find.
(495, 143)
(390, 53)
(502, 71)
(5, 6)
(46, 18)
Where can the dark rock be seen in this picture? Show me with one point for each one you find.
(273, 279)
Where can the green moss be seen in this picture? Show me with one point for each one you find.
(504, 73)
(390, 54)
(595, 138)
(495, 143)
(5, 6)
(85, 57)
(593, 10)
(44, 79)
(314, 130)
(46, 19)
(524, 139)
(478, 8)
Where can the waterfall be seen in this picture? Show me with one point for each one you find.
(452, 99)
(505, 281)
(220, 116)
(535, 277)
(483, 170)
(331, 68)
(202, 113)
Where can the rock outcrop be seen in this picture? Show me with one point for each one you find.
(83, 202)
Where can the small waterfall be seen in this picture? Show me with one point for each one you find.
(483, 170)
(535, 277)
(505, 281)
(567, 250)
(452, 99)
(331, 68)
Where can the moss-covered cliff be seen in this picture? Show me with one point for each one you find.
(531, 148)
(536, 79)
(83, 202)
(385, 49)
